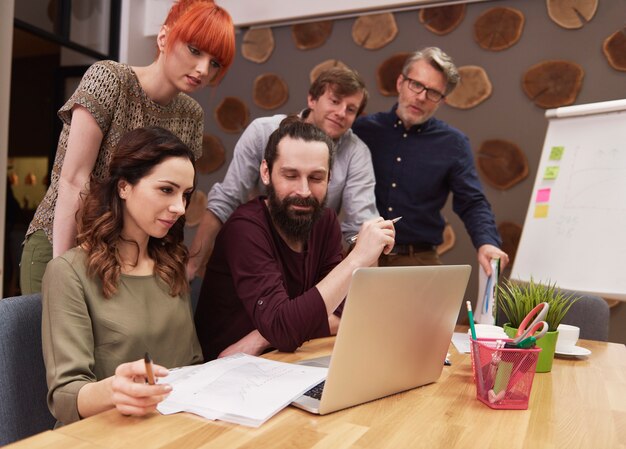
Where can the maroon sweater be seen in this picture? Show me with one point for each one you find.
(255, 281)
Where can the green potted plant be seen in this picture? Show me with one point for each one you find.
(518, 299)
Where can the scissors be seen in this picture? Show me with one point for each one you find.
(526, 330)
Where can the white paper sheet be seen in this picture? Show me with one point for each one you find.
(241, 389)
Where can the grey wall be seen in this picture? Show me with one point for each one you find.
(507, 114)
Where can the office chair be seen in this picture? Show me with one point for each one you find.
(23, 408)
(590, 313)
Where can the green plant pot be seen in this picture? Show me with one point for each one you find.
(547, 343)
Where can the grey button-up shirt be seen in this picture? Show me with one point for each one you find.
(350, 191)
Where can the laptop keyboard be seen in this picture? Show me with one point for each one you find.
(316, 391)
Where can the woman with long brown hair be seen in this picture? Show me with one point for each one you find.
(123, 291)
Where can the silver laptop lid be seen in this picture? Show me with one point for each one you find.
(395, 332)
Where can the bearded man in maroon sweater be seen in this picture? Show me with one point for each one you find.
(276, 277)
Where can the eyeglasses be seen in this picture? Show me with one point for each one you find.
(418, 88)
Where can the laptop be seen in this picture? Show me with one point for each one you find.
(394, 335)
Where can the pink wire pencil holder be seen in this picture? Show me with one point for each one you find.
(503, 376)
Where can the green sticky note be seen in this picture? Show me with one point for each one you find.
(556, 153)
(551, 172)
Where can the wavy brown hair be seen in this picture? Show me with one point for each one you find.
(100, 220)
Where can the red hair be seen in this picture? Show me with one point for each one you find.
(206, 26)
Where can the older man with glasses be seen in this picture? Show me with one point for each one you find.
(418, 160)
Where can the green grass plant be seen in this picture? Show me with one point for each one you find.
(518, 299)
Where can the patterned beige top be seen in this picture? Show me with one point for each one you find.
(112, 94)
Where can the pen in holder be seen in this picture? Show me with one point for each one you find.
(503, 376)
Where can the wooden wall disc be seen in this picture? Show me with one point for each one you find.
(388, 72)
(501, 163)
(325, 65)
(213, 154)
(52, 10)
(571, 14)
(442, 19)
(84, 10)
(258, 44)
(614, 49)
(498, 28)
(311, 35)
(197, 205)
(269, 91)
(374, 31)
(555, 83)
(232, 115)
(474, 88)
(449, 239)
(510, 234)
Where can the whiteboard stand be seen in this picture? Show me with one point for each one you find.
(574, 233)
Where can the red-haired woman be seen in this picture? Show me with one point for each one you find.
(196, 46)
(123, 291)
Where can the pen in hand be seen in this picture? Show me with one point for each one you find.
(149, 369)
(352, 239)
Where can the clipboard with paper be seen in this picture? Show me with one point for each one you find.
(487, 302)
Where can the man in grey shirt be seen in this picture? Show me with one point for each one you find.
(334, 101)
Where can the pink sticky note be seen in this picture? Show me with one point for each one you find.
(543, 196)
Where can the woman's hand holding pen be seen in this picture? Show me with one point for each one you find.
(126, 390)
(131, 392)
(375, 237)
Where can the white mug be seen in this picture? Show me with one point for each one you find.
(568, 336)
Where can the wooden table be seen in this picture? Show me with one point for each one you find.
(580, 404)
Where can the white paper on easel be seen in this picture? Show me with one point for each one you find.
(486, 304)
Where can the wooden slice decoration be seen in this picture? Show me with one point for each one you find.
(510, 234)
(374, 31)
(325, 65)
(52, 10)
(258, 45)
(269, 91)
(571, 14)
(498, 28)
(442, 19)
(551, 84)
(473, 89)
(449, 239)
(388, 72)
(232, 115)
(213, 154)
(501, 163)
(614, 49)
(83, 10)
(311, 35)
(197, 206)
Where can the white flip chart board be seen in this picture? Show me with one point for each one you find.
(575, 228)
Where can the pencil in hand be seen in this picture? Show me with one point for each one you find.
(149, 369)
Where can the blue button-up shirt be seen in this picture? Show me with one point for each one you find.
(416, 169)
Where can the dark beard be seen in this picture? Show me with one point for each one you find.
(294, 225)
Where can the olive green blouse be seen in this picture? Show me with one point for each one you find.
(86, 336)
